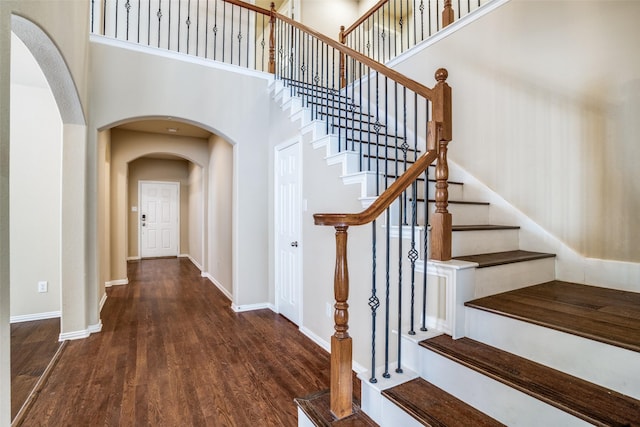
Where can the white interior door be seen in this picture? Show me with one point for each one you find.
(288, 217)
(159, 218)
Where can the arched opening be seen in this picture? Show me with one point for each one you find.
(46, 252)
(166, 150)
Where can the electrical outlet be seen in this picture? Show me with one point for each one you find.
(43, 286)
(329, 310)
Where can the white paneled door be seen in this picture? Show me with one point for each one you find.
(288, 217)
(158, 218)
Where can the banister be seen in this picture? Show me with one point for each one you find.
(383, 201)
(409, 83)
(366, 16)
(249, 6)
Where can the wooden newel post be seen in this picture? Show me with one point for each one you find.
(441, 219)
(447, 14)
(343, 78)
(341, 346)
(272, 39)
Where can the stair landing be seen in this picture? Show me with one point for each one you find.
(606, 315)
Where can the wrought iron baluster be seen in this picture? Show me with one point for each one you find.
(104, 18)
(374, 302)
(92, 14)
(127, 7)
(115, 28)
(215, 30)
(413, 253)
(198, 27)
(224, 29)
(206, 30)
(159, 14)
(248, 40)
(233, 8)
(188, 24)
(139, 6)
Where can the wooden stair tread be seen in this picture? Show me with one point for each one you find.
(585, 400)
(500, 258)
(318, 408)
(605, 315)
(433, 406)
(459, 202)
(481, 227)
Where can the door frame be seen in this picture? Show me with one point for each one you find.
(178, 219)
(278, 148)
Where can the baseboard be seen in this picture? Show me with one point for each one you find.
(35, 316)
(133, 258)
(102, 301)
(250, 307)
(316, 339)
(78, 335)
(193, 261)
(326, 346)
(218, 285)
(118, 282)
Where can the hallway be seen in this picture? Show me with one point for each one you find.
(173, 353)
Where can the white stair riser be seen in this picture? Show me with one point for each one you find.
(483, 241)
(507, 277)
(462, 214)
(505, 404)
(611, 367)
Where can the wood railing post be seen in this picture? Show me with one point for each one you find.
(441, 219)
(272, 39)
(447, 14)
(343, 78)
(341, 345)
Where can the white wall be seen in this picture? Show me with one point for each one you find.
(326, 16)
(36, 143)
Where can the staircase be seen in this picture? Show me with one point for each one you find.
(536, 352)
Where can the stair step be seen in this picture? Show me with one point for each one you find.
(456, 202)
(606, 315)
(582, 399)
(501, 258)
(433, 406)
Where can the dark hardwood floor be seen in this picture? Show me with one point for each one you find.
(173, 353)
(33, 345)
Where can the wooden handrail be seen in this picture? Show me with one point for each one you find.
(383, 201)
(366, 16)
(409, 83)
(249, 6)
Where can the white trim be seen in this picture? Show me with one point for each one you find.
(316, 338)
(77, 335)
(35, 316)
(133, 258)
(326, 346)
(102, 301)
(250, 307)
(218, 285)
(117, 282)
(92, 329)
(160, 52)
(192, 260)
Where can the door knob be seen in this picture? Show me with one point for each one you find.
(294, 244)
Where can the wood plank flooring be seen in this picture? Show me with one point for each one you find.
(33, 345)
(595, 404)
(173, 353)
(601, 314)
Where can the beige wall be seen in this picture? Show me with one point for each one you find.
(550, 132)
(64, 22)
(126, 147)
(149, 169)
(326, 16)
(36, 143)
(196, 201)
(221, 213)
